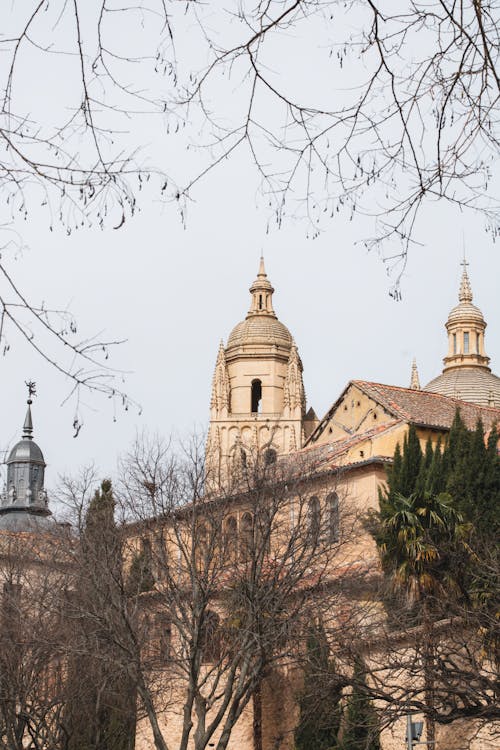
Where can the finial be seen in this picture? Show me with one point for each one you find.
(28, 422)
(465, 293)
(262, 268)
(415, 380)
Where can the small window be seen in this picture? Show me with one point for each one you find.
(260, 301)
(454, 343)
(478, 341)
(231, 538)
(210, 637)
(466, 342)
(313, 520)
(333, 517)
(246, 535)
(256, 396)
(270, 456)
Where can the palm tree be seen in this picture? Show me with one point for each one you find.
(419, 539)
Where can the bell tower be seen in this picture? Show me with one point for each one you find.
(258, 400)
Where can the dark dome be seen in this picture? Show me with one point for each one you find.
(26, 450)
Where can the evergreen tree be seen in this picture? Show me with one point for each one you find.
(100, 711)
(412, 459)
(319, 702)
(360, 729)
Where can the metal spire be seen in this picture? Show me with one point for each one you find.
(28, 421)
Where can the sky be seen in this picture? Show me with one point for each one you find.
(172, 291)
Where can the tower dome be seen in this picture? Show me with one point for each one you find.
(258, 399)
(466, 374)
(24, 504)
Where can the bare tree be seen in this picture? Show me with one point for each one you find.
(389, 110)
(216, 591)
(33, 580)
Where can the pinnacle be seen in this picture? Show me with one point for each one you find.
(415, 380)
(465, 293)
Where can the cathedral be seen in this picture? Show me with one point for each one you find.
(258, 399)
(258, 407)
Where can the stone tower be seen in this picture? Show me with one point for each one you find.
(466, 374)
(258, 400)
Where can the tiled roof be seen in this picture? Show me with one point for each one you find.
(420, 407)
(426, 408)
(315, 459)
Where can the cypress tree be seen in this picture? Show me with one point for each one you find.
(361, 729)
(412, 459)
(425, 466)
(319, 701)
(100, 711)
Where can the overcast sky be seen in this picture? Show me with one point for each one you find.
(172, 293)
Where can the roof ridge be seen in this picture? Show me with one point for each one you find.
(425, 393)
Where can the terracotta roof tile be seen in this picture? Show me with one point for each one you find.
(426, 408)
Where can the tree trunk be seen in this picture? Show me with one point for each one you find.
(428, 662)
(257, 717)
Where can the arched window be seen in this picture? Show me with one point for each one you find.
(230, 538)
(256, 396)
(210, 637)
(313, 520)
(270, 456)
(246, 535)
(332, 502)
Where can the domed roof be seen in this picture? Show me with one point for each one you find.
(466, 374)
(260, 330)
(26, 450)
(465, 312)
(475, 384)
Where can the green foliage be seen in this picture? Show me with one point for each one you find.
(438, 527)
(361, 730)
(140, 577)
(319, 702)
(100, 709)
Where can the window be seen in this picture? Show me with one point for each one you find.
(246, 535)
(454, 343)
(332, 502)
(260, 301)
(210, 637)
(466, 342)
(478, 341)
(313, 520)
(270, 456)
(231, 538)
(256, 396)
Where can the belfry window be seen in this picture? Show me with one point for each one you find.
(256, 396)
(466, 342)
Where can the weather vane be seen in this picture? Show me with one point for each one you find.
(31, 386)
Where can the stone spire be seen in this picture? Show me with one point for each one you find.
(220, 384)
(415, 380)
(465, 293)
